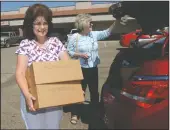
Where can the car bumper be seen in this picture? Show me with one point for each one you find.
(123, 114)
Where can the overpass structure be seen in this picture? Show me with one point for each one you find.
(64, 17)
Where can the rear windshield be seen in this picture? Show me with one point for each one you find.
(157, 43)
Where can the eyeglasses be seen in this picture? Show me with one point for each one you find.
(38, 24)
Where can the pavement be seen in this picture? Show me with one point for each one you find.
(10, 93)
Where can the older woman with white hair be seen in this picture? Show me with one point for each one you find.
(84, 46)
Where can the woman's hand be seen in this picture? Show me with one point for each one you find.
(29, 101)
(81, 55)
(122, 21)
(85, 56)
(119, 24)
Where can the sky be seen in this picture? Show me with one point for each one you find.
(16, 5)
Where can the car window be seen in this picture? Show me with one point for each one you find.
(11, 34)
(4, 34)
(74, 31)
(155, 47)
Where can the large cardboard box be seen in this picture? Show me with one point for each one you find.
(55, 83)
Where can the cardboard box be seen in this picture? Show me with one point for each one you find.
(55, 83)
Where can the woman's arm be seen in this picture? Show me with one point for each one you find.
(80, 55)
(117, 25)
(22, 61)
(64, 55)
(21, 67)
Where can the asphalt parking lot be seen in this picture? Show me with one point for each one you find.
(10, 104)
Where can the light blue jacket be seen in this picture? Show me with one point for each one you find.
(87, 45)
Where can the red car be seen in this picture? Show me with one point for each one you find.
(136, 92)
(126, 39)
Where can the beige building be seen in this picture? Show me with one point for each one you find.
(63, 17)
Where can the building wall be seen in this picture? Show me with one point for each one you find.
(99, 26)
(65, 8)
(9, 13)
(23, 10)
(83, 5)
(78, 5)
(100, 5)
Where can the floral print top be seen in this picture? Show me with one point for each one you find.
(50, 51)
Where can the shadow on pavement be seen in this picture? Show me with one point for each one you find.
(87, 116)
(10, 82)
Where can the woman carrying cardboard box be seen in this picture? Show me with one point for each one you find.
(38, 46)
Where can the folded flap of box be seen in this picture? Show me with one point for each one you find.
(57, 71)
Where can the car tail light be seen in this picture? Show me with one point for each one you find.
(147, 90)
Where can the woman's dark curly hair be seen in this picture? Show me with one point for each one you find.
(31, 14)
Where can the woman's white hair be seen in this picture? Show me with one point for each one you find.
(81, 21)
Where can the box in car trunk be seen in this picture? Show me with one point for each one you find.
(55, 83)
